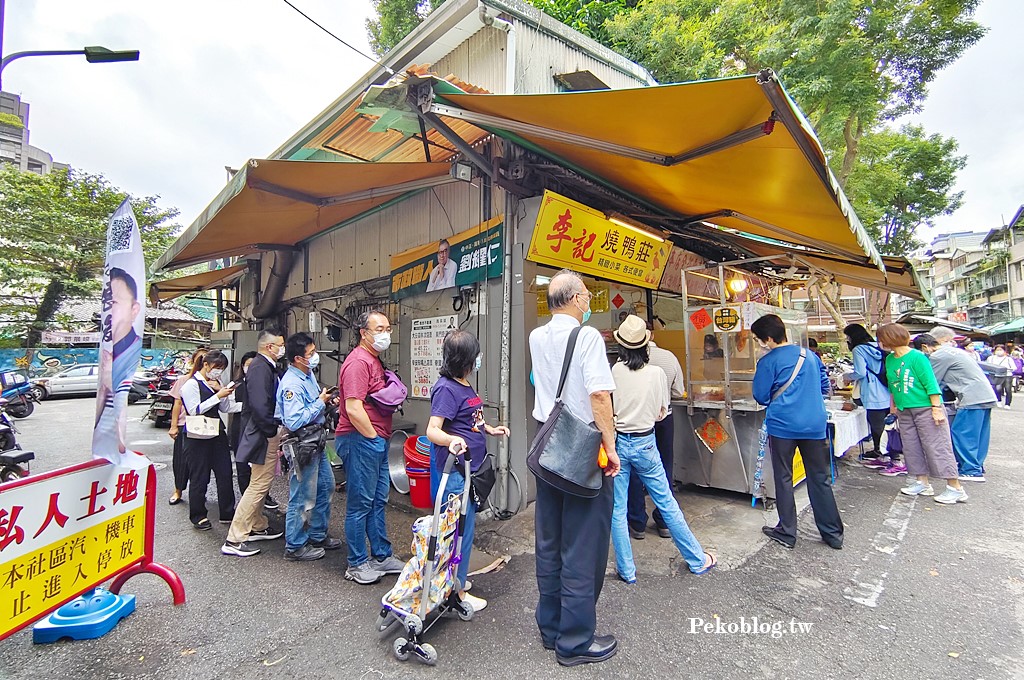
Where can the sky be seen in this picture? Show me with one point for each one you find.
(222, 81)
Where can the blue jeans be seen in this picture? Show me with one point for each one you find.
(312, 493)
(971, 431)
(367, 483)
(641, 454)
(456, 485)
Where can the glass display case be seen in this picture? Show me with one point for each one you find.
(721, 354)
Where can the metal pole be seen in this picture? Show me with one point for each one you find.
(725, 353)
(688, 377)
(33, 53)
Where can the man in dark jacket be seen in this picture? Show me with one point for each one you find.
(258, 446)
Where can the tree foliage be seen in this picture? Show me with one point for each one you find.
(53, 238)
(902, 181)
(395, 20)
(589, 17)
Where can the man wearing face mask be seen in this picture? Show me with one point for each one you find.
(258, 446)
(301, 402)
(362, 444)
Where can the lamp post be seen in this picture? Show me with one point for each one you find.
(94, 55)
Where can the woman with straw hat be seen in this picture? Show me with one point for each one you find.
(641, 398)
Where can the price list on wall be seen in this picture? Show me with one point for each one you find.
(427, 351)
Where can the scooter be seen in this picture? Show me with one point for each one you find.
(7, 430)
(14, 464)
(17, 390)
(160, 409)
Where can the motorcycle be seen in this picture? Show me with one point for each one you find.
(160, 409)
(18, 392)
(7, 429)
(137, 393)
(15, 464)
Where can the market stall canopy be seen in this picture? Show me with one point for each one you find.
(735, 152)
(277, 204)
(926, 323)
(899, 276)
(1015, 326)
(161, 291)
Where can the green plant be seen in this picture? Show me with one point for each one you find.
(11, 120)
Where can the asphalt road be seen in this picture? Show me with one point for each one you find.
(919, 591)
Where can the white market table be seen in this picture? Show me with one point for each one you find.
(847, 429)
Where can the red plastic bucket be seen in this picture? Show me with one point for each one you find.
(419, 487)
(414, 457)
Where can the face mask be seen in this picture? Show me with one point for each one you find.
(586, 314)
(381, 341)
(479, 362)
(313, 361)
(214, 373)
(245, 370)
(280, 352)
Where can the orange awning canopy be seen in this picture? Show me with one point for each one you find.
(162, 291)
(278, 204)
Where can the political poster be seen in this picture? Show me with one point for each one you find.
(468, 257)
(122, 322)
(427, 351)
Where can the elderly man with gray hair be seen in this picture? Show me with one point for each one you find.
(572, 532)
(970, 430)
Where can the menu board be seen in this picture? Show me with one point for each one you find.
(428, 351)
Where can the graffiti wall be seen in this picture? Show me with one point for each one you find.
(43, 362)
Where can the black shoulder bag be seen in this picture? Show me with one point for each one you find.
(564, 452)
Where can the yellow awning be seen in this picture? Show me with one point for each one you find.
(274, 204)
(735, 152)
(162, 291)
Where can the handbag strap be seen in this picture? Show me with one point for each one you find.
(796, 370)
(569, 348)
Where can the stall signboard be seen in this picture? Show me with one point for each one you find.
(428, 351)
(468, 257)
(570, 234)
(727, 319)
(672, 280)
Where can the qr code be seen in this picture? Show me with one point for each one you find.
(120, 237)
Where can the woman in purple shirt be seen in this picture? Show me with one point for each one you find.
(457, 424)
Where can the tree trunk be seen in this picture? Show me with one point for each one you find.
(45, 312)
(876, 308)
(828, 294)
(852, 132)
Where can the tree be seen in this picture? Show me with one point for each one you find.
(589, 17)
(851, 64)
(395, 20)
(53, 239)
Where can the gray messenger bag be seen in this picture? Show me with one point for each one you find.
(564, 452)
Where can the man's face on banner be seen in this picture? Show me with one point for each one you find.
(124, 308)
(443, 251)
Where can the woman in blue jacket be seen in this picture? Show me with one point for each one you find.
(793, 391)
(874, 396)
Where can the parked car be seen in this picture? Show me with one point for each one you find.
(80, 379)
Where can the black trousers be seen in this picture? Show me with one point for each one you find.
(572, 536)
(205, 456)
(876, 421)
(178, 463)
(636, 505)
(819, 486)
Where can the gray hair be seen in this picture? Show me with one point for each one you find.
(942, 334)
(266, 335)
(363, 321)
(562, 287)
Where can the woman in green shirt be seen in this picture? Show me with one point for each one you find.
(917, 403)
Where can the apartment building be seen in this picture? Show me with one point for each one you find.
(14, 138)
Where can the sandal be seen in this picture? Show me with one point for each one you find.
(203, 525)
(708, 565)
(174, 500)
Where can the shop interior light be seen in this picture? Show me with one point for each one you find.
(738, 285)
(621, 220)
(463, 171)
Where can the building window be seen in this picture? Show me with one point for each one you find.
(851, 305)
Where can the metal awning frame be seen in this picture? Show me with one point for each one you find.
(341, 199)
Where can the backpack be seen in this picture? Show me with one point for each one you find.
(881, 374)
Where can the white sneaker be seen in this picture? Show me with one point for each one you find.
(971, 478)
(951, 496)
(467, 586)
(478, 603)
(917, 488)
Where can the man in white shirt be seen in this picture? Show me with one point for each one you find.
(664, 435)
(443, 275)
(572, 533)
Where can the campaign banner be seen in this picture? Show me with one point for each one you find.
(572, 235)
(427, 339)
(122, 322)
(65, 532)
(468, 257)
(65, 338)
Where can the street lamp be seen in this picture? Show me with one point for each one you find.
(94, 55)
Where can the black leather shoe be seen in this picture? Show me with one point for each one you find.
(601, 649)
(638, 535)
(833, 543)
(771, 533)
(550, 646)
(664, 532)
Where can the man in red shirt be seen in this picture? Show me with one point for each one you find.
(362, 441)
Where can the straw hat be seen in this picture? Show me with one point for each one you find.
(632, 333)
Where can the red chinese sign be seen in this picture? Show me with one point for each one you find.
(701, 319)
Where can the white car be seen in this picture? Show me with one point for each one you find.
(80, 379)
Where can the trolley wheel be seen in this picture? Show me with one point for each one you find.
(414, 624)
(400, 650)
(427, 654)
(465, 611)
